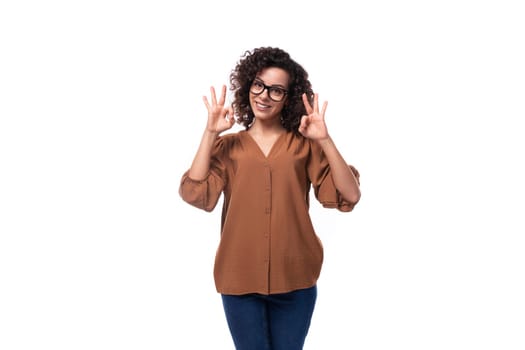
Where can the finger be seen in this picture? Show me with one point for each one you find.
(316, 103)
(307, 104)
(323, 110)
(213, 97)
(301, 129)
(232, 117)
(303, 124)
(228, 114)
(205, 99)
(222, 99)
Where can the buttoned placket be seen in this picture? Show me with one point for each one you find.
(267, 211)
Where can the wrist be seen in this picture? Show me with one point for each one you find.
(325, 141)
(210, 134)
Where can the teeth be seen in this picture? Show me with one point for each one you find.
(261, 105)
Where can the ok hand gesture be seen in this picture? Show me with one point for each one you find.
(312, 124)
(220, 118)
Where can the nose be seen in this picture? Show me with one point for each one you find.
(265, 93)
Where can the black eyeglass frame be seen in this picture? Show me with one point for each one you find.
(269, 88)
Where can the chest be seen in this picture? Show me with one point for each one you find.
(265, 144)
(276, 157)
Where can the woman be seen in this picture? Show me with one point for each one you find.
(269, 257)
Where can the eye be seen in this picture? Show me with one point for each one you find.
(258, 84)
(277, 91)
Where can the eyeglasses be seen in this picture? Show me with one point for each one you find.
(275, 93)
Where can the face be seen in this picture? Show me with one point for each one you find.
(268, 104)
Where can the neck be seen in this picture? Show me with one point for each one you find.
(267, 127)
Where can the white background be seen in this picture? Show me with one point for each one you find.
(101, 113)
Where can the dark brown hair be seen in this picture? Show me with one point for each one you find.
(251, 63)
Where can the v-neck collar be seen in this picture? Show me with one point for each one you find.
(274, 148)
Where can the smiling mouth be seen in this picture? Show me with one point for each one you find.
(261, 105)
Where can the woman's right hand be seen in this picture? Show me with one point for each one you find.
(220, 118)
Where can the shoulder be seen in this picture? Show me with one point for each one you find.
(302, 142)
(230, 138)
(227, 141)
(296, 137)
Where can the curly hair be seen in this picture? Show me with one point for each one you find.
(245, 72)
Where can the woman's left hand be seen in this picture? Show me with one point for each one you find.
(312, 124)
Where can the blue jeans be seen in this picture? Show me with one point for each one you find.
(270, 322)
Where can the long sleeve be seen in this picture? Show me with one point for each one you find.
(204, 194)
(267, 240)
(320, 176)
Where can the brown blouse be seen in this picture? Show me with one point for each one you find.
(268, 244)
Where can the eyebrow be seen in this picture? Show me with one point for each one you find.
(275, 85)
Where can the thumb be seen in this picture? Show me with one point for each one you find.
(231, 116)
(304, 124)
